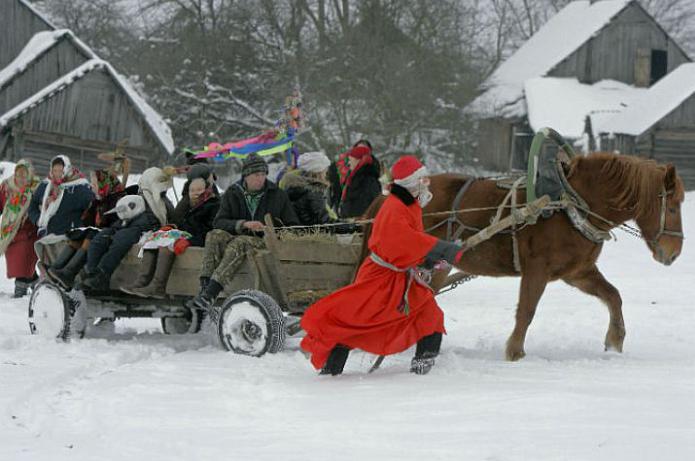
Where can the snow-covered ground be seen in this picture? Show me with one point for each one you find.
(139, 395)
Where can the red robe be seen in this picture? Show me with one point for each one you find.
(365, 315)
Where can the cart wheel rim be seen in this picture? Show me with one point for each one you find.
(244, 328)
(47, 312)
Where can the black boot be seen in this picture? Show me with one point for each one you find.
(21, 287)
(97, 281)
(336, 361)
(63, 258)
(207, 296)
(65, 277)
(425, 353)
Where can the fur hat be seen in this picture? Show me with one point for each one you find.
(253, 163)
(313, 162)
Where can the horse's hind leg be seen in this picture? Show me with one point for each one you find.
(592, 282)
(531, 289)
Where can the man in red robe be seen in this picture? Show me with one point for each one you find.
(389, 307)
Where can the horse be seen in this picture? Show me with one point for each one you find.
(616, 188)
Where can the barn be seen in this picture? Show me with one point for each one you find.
(586, 73)
(58, 96)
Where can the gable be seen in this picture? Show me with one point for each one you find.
(19, 21)
(614, 53)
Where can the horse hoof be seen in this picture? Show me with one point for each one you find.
(613, 348)
(514, 356)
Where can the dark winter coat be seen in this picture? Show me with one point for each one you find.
(308, 197)
(110, 245)
(234, 211)
(76, 200)
(361, 191)
(196, 221)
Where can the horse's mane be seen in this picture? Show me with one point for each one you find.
(633, 182)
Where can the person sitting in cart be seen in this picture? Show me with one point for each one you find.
(307, 188)
(239, 228)
(108, 190)
(58, 205)
(193, 218)
(389, 307)
(110, 245)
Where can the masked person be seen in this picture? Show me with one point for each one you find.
(110, 245)
(389, 307)
(17, 232)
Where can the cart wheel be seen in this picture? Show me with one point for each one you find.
(251, 323)
(50, 311)
(188, 324)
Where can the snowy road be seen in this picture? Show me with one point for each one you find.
(139, 395)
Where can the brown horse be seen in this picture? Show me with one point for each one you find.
(617, 188)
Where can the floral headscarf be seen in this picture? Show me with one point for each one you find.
(17, 201)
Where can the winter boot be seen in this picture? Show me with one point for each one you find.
(205, 299)
(65, 277)
(97, 281)
(336, 361)
(21, 288)
(155, 289)
(149, 262)
(63, 258)
(425, 353)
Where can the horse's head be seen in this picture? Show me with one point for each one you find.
(660, 221)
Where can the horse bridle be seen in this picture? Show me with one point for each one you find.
(662, 221)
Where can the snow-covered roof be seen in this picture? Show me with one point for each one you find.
(33, 9)
(562, 35)
(161, 130)
(655, 104)
(39, 44)
(564, 103)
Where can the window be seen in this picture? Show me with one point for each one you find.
(659, 65)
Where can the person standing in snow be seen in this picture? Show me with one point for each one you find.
(389, 307)
(17, 233)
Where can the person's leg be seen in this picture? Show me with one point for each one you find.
(98, 248)
(425, 352)
(336, 361)
(156, 288)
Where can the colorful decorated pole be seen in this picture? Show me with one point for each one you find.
(279, 139)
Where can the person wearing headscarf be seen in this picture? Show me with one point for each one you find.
(17, 232)
(110, 245)
(61, 199)
(107, 189)
(355, 180)
(307, 189)
(389, 307)
(193, 218)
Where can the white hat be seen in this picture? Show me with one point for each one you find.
(313, 162)
(128, 207)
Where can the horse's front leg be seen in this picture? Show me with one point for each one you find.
(593, 283)
(533, 282)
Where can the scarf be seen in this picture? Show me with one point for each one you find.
(347, 175)
(107, 184)
(55, 188)
(204, 197)
(16, 204)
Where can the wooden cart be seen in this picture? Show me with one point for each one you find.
(253, 315)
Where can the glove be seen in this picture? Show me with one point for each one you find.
(459, 255)
(180, 246)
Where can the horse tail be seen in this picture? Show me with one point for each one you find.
(371, 212)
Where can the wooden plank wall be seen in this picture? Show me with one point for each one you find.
(58, 61)
(17, 25)
(613, 52)
(494, 144)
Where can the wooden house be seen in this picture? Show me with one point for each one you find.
(585, 67)
(58, 97)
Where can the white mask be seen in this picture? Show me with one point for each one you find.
(425, 196)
